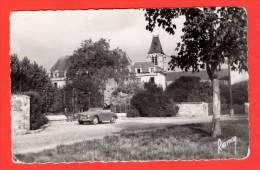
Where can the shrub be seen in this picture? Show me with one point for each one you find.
(57, 103)
(180, 90)
(191, 89)
(133, 112)
(152, 102)
(37, 117)
(240, 92)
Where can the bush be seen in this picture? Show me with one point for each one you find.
(240, 92)
(152, 102)
(133, 112)
(191, 89)
(37, 117)
(57, 103)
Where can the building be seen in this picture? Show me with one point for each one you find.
(156, 54)
(148, 72)
(58, 72)
(154, 68)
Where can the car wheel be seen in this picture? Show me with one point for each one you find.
(95, 121)
(113, 120)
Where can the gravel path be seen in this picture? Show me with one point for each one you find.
(62, 132)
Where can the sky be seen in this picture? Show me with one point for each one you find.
(46, 36)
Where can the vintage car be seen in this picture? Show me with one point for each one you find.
(96, 115)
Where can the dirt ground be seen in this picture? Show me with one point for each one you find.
(62, 132)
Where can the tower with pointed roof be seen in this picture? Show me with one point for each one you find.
(156, 54)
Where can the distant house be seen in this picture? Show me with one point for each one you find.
(58, 72)
(148, 72)
(153, 69)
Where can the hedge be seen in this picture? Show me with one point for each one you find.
(37, 116)
(152, 102)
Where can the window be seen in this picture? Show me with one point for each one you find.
(56, 73)
(155, 61)
(152, 79)
(55, 85)
(152, 69)
(152, 59)
(138, 70)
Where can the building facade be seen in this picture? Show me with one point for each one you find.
(154, 68)
(58, 72)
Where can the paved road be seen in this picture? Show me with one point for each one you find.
(62, 132)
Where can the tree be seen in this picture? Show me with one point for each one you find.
(129, 87)
(27, 76)
(239, 93)
(212, 36)
(91, 65)
(31, 79)
(15, 72)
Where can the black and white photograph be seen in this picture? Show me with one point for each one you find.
(155, 84)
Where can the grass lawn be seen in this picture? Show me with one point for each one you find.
(172, 143)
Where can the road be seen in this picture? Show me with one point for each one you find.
(62, 132)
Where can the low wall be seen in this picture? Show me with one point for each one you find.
(192, 109)
(20, 114)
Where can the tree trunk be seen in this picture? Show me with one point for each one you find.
(231, 110)
(215, 126)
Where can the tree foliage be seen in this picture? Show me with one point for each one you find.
(27, 76)
(129, 87)
(189, 89)
(239, 93)
(90, 66)
(31, 79)
(212, 36)
(96, 60)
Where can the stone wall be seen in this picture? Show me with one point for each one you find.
(111, 85)
(20, 114)
(192, 109)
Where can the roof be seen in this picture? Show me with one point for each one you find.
(61, 65)
(156, 46)
(202, 74)
(145, 66)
